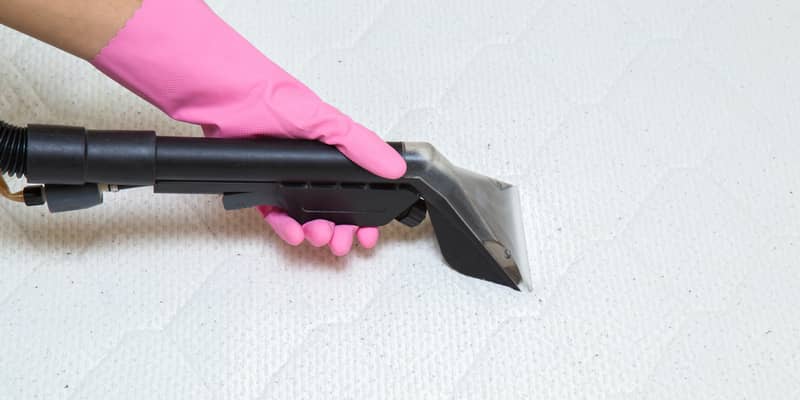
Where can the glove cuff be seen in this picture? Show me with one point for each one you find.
(184, 59)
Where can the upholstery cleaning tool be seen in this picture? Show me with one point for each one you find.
(477, 220)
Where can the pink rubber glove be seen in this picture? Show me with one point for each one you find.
(181, 57)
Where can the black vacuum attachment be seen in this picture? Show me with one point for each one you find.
(477, 220)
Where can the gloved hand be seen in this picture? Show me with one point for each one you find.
(181, 57)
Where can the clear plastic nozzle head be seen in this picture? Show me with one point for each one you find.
(480, 208)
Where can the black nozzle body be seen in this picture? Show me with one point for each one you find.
(308, 179)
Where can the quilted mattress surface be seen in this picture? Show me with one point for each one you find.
(656, 145)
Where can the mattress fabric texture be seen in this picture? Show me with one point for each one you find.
(655, 144)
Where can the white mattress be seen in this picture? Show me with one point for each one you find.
(656, 145)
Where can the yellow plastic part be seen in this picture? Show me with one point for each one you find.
(5, 191)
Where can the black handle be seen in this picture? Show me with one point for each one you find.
(309, 179)
(73, 156)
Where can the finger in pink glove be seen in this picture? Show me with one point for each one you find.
(184, 59)
(318, 232)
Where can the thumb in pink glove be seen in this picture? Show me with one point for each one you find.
(181, 57)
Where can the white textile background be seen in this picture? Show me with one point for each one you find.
(656, 145)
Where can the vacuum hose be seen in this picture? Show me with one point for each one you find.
(13, 149)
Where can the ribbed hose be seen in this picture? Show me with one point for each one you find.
(13, 149)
